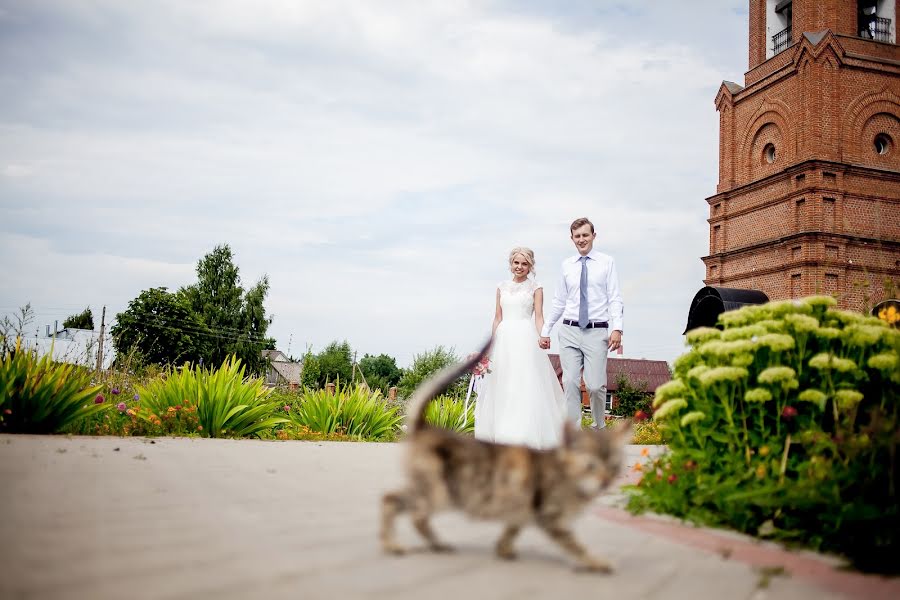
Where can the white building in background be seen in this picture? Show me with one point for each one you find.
(281, 370)
(73, 346)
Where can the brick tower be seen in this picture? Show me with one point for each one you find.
(808, 199)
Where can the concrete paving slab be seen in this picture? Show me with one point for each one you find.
(98, 518)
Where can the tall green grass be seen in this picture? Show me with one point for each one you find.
(40, 396)
(228, 404)
(352, 411)
(449, 413)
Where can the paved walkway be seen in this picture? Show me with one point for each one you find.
(116, 518)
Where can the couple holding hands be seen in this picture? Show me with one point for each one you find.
(520, 401)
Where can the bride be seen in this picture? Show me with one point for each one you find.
(520, 400)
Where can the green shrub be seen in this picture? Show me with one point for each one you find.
(630, 397)
(449, 413)
(354, 411)
(381, 372)
(226, 404)
(427, 364)
(785, 424)
(82, 320)
(40, 396)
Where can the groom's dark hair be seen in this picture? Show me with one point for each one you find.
(579, 223)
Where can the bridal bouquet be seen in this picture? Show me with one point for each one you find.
(482, 367)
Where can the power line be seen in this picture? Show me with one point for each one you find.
(201, 329)
(215, 333)
(225, 330)
(228, 331)
(201, 333)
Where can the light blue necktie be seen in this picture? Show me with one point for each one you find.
(583, 305)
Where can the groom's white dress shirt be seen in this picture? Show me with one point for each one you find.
(604, 298)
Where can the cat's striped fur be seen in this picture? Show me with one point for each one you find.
(516, 485)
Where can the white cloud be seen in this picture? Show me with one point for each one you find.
(376, 160)
(13, 170)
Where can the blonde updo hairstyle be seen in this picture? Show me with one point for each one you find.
(525, 253)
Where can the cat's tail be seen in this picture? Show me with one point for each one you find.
(433, 386)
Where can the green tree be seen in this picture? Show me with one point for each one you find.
(381, 372)
(82, 320)
(237, 319)
(161, 327)
(311, 372)
(333, 363)
(426, 364)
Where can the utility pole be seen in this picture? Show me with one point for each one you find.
(356, 370)
(100, 343)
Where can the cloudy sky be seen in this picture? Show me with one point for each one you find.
(377, 159)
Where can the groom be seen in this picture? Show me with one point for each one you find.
(588, 300)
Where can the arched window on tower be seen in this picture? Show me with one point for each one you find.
(779, 17)
(875, 20)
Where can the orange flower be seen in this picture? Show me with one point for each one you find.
(199, 427)
(645, 451)
(889, 314)
(637, 468)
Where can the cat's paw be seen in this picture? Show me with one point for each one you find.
(395, 549)
(506, 553)
(593, 565)
(442, 548)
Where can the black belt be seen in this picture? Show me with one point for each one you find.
(591, 325)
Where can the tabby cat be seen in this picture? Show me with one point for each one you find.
(516, 485)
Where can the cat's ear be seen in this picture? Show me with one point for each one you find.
(570, 434)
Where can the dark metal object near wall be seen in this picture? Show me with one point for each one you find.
(886, 305)
(710, 302)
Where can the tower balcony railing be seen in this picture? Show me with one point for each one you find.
(781, 40)
(879, 30)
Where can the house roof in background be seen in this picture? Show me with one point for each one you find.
(274, 356)
(289, 371)
(653, 373)
(285, 368)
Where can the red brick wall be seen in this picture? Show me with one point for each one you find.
(820, 111)
(854, 271)
(808, 16)
(757, 32)
(824, 216)
(816, 15)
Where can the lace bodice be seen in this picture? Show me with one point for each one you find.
(517, 299)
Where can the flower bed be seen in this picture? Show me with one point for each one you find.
(784, 424)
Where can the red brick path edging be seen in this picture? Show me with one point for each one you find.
(805, 566)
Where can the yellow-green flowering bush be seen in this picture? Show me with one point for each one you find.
(784, 423)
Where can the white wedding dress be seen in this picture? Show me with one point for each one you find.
(520, 401)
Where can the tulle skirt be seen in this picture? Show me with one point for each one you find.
(520, 401)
